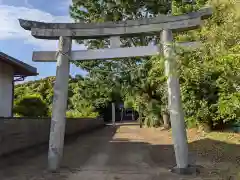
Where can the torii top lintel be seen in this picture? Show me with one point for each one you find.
(42, 30)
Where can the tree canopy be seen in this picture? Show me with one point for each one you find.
(209, 75)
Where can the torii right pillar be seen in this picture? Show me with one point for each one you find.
(179, 135)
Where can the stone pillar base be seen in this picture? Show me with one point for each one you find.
(190, 170)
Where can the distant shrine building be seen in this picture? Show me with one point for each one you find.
(11, 70)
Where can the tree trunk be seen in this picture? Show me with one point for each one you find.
(166, 120)
(140, 117)
(140, 120)
(205, 127)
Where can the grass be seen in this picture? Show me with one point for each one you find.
(227, 137)
(218, 152)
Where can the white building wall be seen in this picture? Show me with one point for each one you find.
(6, 87)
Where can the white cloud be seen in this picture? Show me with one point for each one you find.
(10, 28)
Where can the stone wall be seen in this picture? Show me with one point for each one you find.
(21, 133)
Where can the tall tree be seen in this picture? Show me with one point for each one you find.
(137, 78)
(210, 75)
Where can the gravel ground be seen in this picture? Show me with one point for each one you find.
(125, 152)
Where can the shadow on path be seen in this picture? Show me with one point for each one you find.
(102, 155)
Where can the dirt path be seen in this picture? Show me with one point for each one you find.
(122, 153)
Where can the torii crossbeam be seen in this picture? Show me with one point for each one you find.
(109, 53)
(65, 32)
(146, 26)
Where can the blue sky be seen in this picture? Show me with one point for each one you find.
(19, 44)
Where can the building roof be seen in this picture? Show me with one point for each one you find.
(20, 68)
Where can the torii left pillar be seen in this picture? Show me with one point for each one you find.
(58, 122)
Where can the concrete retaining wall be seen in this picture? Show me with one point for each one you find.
(20, 133)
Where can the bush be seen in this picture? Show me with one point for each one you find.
(77, 114)
(31, 106)
(209, 76)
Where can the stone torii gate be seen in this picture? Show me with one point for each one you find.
(65, 32)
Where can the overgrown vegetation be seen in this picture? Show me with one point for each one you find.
(31, 106)
(209, 76)
(34, 96)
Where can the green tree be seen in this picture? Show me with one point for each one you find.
(114, 79)
(210, 75)
(78, 105)
(132, 78)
